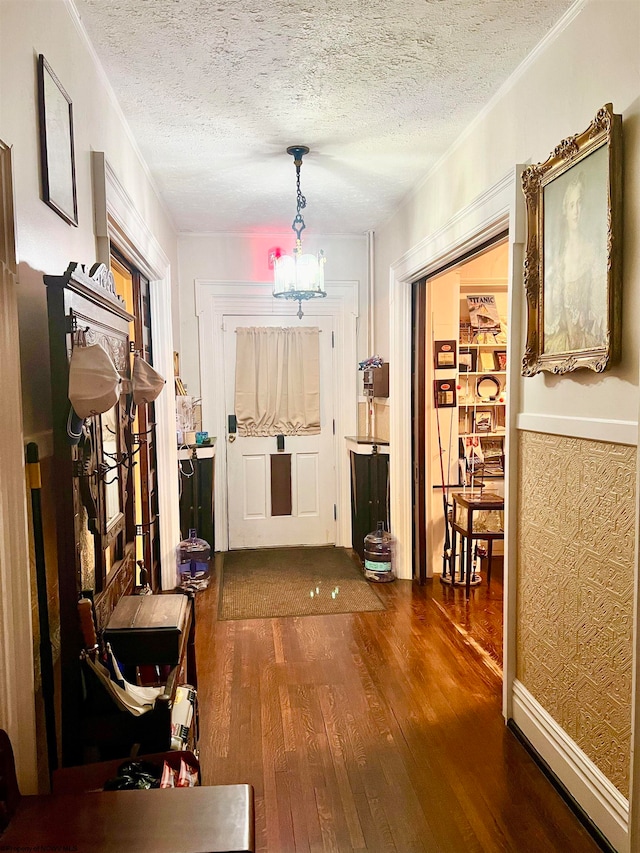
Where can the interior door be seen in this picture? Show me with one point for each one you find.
(281, 497)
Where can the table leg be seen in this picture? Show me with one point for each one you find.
(489, 555)
(452, 566)
(469, 554)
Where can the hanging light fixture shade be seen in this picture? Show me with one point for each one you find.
(298, 276)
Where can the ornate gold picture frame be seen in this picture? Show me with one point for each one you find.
(573, 260)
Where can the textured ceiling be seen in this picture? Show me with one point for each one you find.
(214, 92)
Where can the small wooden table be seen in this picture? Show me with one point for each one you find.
(464, 507)
(215, 819)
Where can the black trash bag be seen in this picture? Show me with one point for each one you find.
(134, 775)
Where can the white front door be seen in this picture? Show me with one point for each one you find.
(281, 497)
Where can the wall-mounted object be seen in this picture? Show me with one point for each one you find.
(376, 381)
(445, 393)
(57, 159)
(444, 353)
(573, 263)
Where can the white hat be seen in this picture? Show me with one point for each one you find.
(145, 381)
(94, 382)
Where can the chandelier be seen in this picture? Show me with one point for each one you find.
(298, 276)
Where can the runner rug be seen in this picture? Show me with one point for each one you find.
(271, 582)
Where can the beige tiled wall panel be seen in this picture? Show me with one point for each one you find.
(575, 590)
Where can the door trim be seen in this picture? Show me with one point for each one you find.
(214, 300)
(490, 214)
(17, 707)
(117, 221)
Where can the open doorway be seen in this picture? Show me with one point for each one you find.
(133, 287)
(460, 362)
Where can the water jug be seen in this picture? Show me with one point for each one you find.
(193, 558)
(378, 555)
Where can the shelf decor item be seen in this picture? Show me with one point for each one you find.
(57, 159)
(482, 421)
(467, 359)
(487, 387)
(573, 261)
(444, 354)
(484, 317)
(500, 359)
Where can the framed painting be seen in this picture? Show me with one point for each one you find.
(57, 159)
(572, 268)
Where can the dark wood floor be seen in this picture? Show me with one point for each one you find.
(371, 732)
(478, 618)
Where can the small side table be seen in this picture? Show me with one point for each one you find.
(470, 526)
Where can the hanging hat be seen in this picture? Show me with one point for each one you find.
(94, 382)
(146, 382)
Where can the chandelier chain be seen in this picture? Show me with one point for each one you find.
(298, 225)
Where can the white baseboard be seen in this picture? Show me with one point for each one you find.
(591, 789)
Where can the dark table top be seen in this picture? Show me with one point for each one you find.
(208, 819)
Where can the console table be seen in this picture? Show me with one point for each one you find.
(215, 819)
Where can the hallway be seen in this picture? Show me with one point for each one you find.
(373, 732)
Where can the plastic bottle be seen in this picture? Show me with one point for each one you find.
(193, 559)
(378, 555)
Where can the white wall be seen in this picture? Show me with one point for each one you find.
(45, 242)
(593, 60)
(244, 258)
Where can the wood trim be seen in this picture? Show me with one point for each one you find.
(126, 229)
(17, 710)
(488, 216)
(591, 789)
(418, 420)
(602, 429)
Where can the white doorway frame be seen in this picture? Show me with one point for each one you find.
(495, 211)
(117, 221)
(214, 300)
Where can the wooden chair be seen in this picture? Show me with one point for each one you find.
(9, 791)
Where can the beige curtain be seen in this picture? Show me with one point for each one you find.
(277, 381)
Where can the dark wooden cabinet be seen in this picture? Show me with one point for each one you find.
(369, 489)
(197, 468)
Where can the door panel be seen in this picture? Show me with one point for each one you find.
(256, 515)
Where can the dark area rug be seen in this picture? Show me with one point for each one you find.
(272, 582)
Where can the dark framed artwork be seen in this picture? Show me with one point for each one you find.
(445, 393)
(444, 354)
(482, 421)
(467, 360)
(573, 260)
(500, 359)
(57, 159)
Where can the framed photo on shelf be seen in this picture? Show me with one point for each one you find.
(467, 360)
(445, 393)
(573, 261)
(500, 359)
(57, 159)
(482, 421)
(444, 354)
(487, 362)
